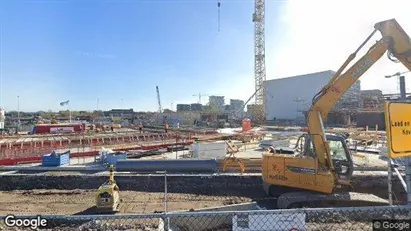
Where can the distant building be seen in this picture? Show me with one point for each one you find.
(351, 99)
(236, 105)
(183, 107)
(372, 99)
(287, 98)
(119, 112)
(196, 107)
(217, 101)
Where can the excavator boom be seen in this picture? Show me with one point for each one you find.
(395, 41)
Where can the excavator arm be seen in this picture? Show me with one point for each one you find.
(395, 41)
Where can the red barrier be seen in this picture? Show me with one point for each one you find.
(36, 159)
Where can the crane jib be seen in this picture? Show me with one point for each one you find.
(361, 68)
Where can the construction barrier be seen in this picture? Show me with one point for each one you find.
(348, 218)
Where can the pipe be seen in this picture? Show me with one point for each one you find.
(171, 166)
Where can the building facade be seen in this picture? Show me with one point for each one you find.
(183, 107)
(287, 98)
(351, 100)
(236, 105)
(217, 101)
(196, 107)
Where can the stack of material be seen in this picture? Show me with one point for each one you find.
(275, 143)
(204, 150)
(113, 157)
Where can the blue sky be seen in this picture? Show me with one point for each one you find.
(82, 51)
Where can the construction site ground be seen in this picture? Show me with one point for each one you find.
(44, 199)
(78, 201)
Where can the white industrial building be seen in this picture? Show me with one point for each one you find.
(286, 98)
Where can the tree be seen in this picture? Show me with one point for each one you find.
(212, 107)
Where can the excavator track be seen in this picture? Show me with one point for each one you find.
(313, 200)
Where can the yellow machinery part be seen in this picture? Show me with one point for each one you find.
(231, 161)
(108, 197)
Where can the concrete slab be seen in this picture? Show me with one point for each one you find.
(194, 223)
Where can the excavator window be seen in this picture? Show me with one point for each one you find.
(310, 150)
(337, 150)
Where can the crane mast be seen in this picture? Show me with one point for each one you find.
(259, 56)
(160, 110)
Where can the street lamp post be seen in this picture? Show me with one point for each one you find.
(403, 95)
(122, 109)
(18, 111)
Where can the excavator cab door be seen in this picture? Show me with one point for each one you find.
(341, 157)
(340, 154)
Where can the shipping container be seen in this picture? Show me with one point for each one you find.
(55, 128)
(55, 159)
(62, 130)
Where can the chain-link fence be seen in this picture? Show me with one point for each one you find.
(354, 218)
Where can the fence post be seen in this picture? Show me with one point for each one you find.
(389, 180)
(408, 178)
(166, 220)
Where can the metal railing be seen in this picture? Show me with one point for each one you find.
(348, 218)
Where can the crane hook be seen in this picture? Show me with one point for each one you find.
(218, 5)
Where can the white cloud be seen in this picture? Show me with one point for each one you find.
(322, 34)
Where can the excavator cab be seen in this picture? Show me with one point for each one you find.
(290, 169)
(295, 179)
(341, 155)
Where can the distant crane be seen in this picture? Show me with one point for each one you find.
(160, 109)
(199, 97)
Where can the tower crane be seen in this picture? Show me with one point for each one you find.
(258, 19)
(259, 57)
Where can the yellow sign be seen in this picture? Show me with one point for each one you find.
(398, 128)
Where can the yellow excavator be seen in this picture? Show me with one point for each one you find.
(319, 169)
(108, 198)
